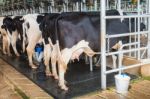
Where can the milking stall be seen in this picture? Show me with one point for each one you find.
(120, 36)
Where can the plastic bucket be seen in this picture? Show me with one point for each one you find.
(122, 83)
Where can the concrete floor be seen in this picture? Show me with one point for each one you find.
(138, 90)
(6, 92)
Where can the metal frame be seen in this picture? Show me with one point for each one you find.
(103, 17)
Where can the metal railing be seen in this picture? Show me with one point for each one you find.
(137, 33)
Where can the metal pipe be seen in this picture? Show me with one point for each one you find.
(126, 51)
(135, 36)
(127, 67)
(81, 4)
(91, 63)
(115, 4)
(128, 44)
(126, 34)
(138, 7)
(67, 6)
(127, 16)
(130, 35)
(119, 4)
(64, 8)
(77, 6)
(149, 30)
(103, 44)
(107, 5)
(95, 5)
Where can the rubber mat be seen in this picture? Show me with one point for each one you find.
(78, 76)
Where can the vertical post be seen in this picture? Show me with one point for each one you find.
(135, 36)
(52, 6)
(119, 5)
(67, 9)
(115, 4)
(107, 6)
(77, 6)
(84, 5)
(81, 6)
(103, 44)
(64, 7)
(95, 5)
(138, 7)
(130, 36)
(148, 4)
(91, 63)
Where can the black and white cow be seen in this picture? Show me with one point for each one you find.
(48, 28)
(13, 26)
(31, 34)
(70, 34)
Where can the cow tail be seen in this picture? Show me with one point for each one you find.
(59, 57)
(24, 37)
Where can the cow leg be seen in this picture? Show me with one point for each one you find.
(8, 49)
(54, 70)
(63, 60)
(14, 47)
(47, 54)
(8, 46)
(98, 62)
(30, 50)
(13, 43)
(62, 71)
(5, 43)
(53, 62)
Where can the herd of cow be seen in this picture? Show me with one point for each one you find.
(65, 37)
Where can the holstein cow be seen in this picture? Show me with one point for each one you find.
(13, 26)
(31, 34)
(49, 21)
(75, 33)
(5, 38)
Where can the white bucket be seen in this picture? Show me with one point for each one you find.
(122, 83)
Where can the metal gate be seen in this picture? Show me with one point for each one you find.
(135, 48)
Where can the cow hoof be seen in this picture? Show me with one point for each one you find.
(63, 87)
(33, 66)
(55, 77)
